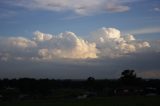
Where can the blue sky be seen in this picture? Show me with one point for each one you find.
(79, 38)
(18, 20)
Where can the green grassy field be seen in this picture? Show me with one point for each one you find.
(99, 101)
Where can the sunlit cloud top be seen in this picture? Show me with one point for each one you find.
(105, 42)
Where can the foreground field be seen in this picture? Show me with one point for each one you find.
(105, 101)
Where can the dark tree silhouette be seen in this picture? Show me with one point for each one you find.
(91, 79)
(30, 88)
(128, 75)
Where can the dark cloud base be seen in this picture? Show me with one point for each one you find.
(98, 68)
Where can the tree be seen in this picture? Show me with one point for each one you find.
(128, 77)
(91, 79)
(128, 74)
(90, 83)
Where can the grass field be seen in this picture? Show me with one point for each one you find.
(99, 101)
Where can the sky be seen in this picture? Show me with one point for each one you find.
(76, 39)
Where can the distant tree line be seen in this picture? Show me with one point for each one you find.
(30, 88)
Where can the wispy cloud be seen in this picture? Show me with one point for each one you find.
(157, 9)
(141, 31)
(79, 7)
(5, 13)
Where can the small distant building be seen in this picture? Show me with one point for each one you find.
(84, 96)
(128, 90)
(10, 93)
(87, 95)
(1, 97)
(151, 91)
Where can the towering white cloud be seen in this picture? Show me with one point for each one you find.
(66, 45)
(111, 43)
(105, 42)
(105, 48)
(42, 36)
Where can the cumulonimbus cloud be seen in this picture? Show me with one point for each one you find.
(80, 7)
(105, 42)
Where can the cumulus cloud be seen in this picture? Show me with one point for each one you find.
(112, 43)
(47, 47)
(16, 48)
(66, 45)
(105, 42)
(80, 7)
(21, 42)
(104, 54)
(42, 36)
(129, 37)
(16, 42)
